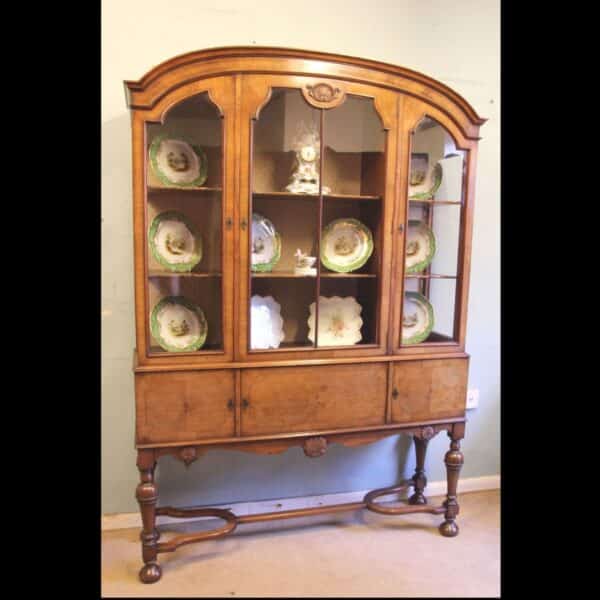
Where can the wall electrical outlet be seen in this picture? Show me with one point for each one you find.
(472, 399)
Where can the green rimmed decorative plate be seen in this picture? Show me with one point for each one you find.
(178, 324)
(424, 186)
(266, 244)
(417, 318)
(346, 245)
(175, 242)
(177, 162)
(420, 246)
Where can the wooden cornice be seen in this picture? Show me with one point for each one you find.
(145, 93)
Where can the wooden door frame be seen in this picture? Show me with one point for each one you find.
(411, 112)
(221, 92)
(256, 93)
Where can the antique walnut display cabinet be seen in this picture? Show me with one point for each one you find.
(302, 245)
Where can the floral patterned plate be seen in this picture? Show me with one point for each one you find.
(177, 162)
(178, 324)
(420, 246)
(417, 318)
(174, 242)
(266, 244)
(339, 321)
(266, 324)
(346, 245)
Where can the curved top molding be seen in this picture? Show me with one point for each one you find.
(173, 73)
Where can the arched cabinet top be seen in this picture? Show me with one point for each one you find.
(166, 78)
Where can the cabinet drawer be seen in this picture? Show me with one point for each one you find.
(429, 389)
(294, 399)
(179, 407)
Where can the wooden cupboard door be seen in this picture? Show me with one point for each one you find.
(181, 407)
(429, 389)
(294, 399)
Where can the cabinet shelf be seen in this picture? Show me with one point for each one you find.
(291, 275)
(314, 196)
(154, 273)
(349, 275)
(429, 276)
(188, 190)
(434, 202)
(285, 195)
(350, 197)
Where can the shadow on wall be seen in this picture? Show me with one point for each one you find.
(224, 476)
(116, 163)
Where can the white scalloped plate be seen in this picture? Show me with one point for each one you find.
(339, 321)
(266, 323)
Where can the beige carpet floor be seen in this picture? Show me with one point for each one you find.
(357, 554)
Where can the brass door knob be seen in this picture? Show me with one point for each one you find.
(245, 403)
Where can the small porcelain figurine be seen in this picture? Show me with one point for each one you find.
(305, 178)
(304, 264)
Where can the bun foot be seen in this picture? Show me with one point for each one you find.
(449, 529)
(150, 573)
(417, 498)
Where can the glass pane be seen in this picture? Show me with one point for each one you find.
(354, 149)
(285, 221)
(184, 212)
(435, 194)
(314, 238)
(353, 186)
(285, 126)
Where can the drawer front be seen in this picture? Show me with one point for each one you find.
(180, 407)
(294, 399)
(429, 389)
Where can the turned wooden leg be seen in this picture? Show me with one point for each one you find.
(454, 461)
(419, 478)
(147, 495)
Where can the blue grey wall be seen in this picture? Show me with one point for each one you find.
(457, 43)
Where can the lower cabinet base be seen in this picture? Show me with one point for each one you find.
(147, 496)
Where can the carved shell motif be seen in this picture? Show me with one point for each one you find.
(323, 92)
(188, 455)
(323, 95)
(314, 447)
(427, 433)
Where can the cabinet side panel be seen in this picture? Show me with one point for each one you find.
(429, 389)
(287, 400)
(184, 406)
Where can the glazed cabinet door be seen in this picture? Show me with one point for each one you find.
(304, 399)
(184, 406)
(317, 176)
(183, 189)
(434, 219)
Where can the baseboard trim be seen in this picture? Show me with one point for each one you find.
(434, 488)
